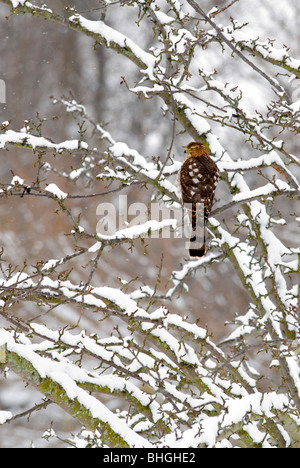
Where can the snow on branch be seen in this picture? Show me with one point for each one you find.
(101, 32)
(137, 165)
(27, 140)
(271, 159)
(266, 50)
(112, 301)
(229, 43)
(140, 230)
(173, 385)
(265, 191)
(252, 275)
(115, 40)
(178, 277)
(63, 381)
(73, 387)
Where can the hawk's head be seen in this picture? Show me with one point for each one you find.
(196, 149)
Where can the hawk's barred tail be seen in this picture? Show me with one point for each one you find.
(197, 246)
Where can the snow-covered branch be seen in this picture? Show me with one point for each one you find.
(112, 327)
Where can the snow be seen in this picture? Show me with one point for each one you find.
(21, 280)
(266, 159)
(139, 163)
(95, 247)
(251, 268)
(111, 35)
(54, 190)
(177, 321)
(5, 416)
(295, 106)
(237, 410)
(144, 291)
(19, 3)
(162, 17)
(179, 275)
(120, 299)
(256, 435)
(293, 366)
(66, 376)
(262, 191)
(177, 374)
(16, 3)
(50, 264)
(140, 230)
(192, 114)
(17, 180)
(26, 139)
(69, 376)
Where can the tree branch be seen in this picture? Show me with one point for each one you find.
(271, 81)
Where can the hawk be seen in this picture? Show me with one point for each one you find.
(198, 178)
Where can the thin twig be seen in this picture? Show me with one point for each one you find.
(273, 82)
(29, 411)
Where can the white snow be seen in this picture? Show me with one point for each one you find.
(26, 139)
(262, 191)
(177, 374)
(16, 3)
(140, 230)
(66, 376)
(111, 35)
(5, 416)
(52, 188)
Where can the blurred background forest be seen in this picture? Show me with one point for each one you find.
(39, 60)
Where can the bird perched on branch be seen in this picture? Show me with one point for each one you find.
(198, 178)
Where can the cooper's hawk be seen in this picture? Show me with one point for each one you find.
(198, 178)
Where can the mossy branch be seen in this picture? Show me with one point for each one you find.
(56, 393)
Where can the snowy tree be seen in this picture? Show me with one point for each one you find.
(122, 357)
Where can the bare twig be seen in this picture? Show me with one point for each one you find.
(222, 36)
